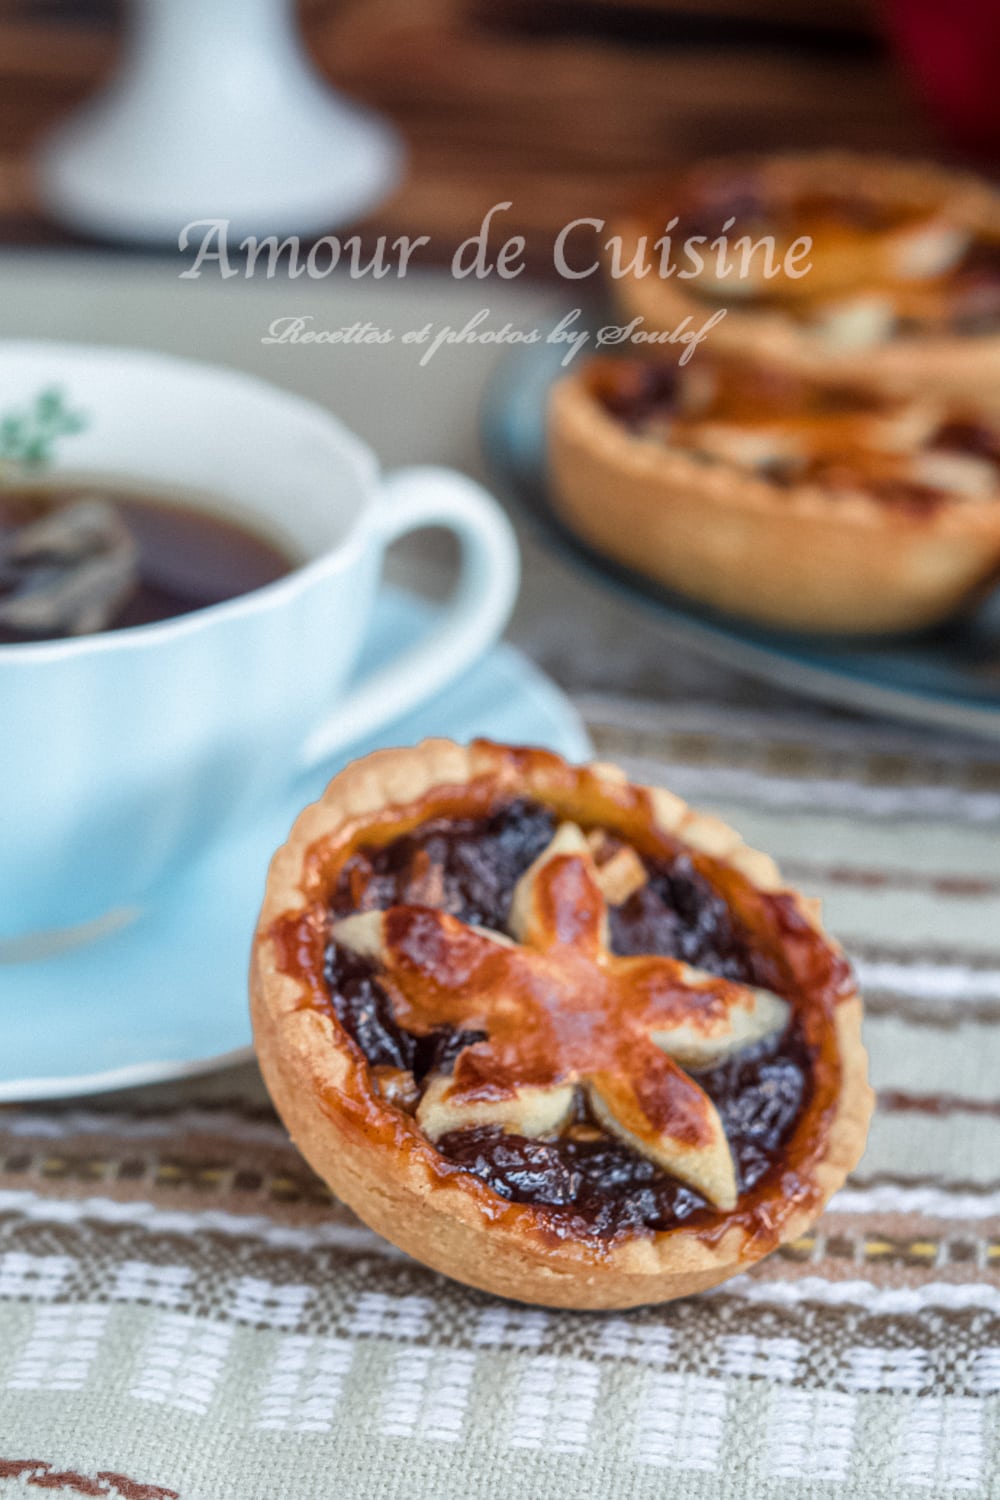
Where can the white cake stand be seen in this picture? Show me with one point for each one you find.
(216, 112)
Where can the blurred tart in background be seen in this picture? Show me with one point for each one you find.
(880, 271)
(796, 503)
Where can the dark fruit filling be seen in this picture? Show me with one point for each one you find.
(466, 866)
(607, 1188)
(637, 392)
(587, 1181)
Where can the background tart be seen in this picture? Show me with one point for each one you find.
(904, 290)
(794, 502)
(552, 1033)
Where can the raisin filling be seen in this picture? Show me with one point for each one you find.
(587, 1181)
(659, 402)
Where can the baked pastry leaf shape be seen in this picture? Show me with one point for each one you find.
(561, 1011)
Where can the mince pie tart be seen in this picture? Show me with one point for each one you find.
(903, 285)
(551, 1033)
(794, 502)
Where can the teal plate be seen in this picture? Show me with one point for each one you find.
(948, 677)
(167, 996)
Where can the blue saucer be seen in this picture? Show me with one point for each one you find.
(948, 677)
(166, 996)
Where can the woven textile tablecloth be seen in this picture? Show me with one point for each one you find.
(184, 1311)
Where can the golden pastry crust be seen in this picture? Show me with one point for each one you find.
(373, 1155)
(948, 364)
(792, 556)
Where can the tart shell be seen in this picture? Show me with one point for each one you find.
(942, 364)
(374, 1157)
(796, 557)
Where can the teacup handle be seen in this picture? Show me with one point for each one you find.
(475, 616)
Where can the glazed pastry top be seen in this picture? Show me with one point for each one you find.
(789, 429)
(575, 1010)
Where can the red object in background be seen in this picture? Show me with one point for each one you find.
(951, 51)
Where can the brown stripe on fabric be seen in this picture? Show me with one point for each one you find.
(869, 878)
(894, 1101)
(131, 1489)
(793, 757)
(913, 956)
(246, 1180)
(940, 1014)
(882, 1263)
(128, 1106)
(867, 1181)
(265, 1139)
(916, 1242)
(45, 1476)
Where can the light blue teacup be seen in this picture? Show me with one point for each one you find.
(124, 755)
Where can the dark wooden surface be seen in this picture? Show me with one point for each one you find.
(563, 108)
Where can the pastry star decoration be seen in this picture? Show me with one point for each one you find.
(562, 1013)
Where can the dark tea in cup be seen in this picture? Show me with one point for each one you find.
(83, 558)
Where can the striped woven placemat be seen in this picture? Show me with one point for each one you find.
(185, 1311)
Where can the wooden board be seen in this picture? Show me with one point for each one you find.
(563, 123)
